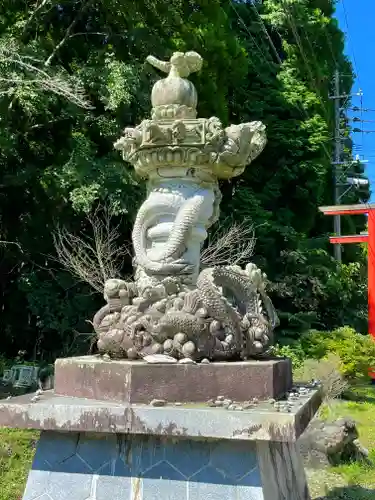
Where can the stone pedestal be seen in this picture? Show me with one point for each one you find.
(77, 466)
(95, 450)
(93, 377)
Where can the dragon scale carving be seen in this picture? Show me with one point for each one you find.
(175, 307)
(193, 323)
(187, 212)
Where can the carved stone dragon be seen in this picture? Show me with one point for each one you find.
(169, 260)
(228, 315)
(174, 307)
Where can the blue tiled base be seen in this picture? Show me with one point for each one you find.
(71, 466)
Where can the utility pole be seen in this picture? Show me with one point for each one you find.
(338, 162)
(336, 165)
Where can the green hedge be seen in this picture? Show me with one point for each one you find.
(356, 351)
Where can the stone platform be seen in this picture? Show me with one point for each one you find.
(93, 377)
(61, 413)
(93, 450)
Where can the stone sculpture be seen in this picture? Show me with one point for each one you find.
(174, 307)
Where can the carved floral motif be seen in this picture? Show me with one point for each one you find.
(201, 143)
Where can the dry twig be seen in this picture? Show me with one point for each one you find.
(327, 371)
(67, 33)
(92, 259)
(36, 11)
(231, 247)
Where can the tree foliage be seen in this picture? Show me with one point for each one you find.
(72, 75)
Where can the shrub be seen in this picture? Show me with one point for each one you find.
(327, 371)
(294, 352)
(356, 351)
(4, 364)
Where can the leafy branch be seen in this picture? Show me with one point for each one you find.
(27, 73)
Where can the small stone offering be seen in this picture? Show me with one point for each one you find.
(158, 402)
(159, 359)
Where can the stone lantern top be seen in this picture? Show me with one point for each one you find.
(175, 96)
(175, 143)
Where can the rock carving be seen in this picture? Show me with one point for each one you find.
(175, 309)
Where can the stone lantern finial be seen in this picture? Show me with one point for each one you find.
(180, 64)
(175, 96)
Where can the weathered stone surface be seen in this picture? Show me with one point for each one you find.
(158, 402)
(128, 467)
(138, 382)
(80, 466)
(195, 421)
(331, 443)
(282, 472)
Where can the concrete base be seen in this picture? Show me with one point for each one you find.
(80, 466)
(93, 377)
(95, 449)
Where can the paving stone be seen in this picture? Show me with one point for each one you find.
(97, 451)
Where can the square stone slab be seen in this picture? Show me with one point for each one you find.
(93, 377)
(62, 413)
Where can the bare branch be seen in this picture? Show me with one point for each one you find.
(327, 372)
(67, 33)
(2, 242)
(92, 259)
(234, 246)
(35, 12)
(89, 33)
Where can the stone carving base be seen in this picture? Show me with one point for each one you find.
(138, 382)
(226, 315)
(80, 466)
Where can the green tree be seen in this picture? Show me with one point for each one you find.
(72, 75)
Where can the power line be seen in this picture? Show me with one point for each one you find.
(338, 145)
(267, 34)
(330, 46)
(313, 56)
(341, 175)
(355, 108)
(338, 148)
(298, 40)
(298, 104)
(328, 154)
(299, 44)
(365, 110)
(349, 39)
(251, 36)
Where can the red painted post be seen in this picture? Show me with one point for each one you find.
(371, 271)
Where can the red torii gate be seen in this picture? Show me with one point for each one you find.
(368, 238)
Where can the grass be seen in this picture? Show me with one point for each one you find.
(16, 452)
(346, 482)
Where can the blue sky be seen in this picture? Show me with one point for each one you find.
(359, 26)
